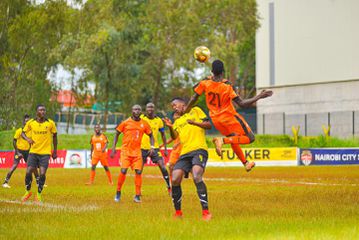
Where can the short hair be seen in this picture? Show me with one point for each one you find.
(39, 105)
(26, 116)
(150, 103)
(137, 105)
(179, 99)
(217, 67)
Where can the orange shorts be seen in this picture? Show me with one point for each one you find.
(175, 154)
(99, 158)
(135, 162)
(231, 125)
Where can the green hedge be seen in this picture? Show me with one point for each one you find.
(83, 141)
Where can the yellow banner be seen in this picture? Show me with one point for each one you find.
(255, 154)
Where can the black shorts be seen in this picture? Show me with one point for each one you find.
(187, 161)
(25, 155)
(38, 160)
(155, 156)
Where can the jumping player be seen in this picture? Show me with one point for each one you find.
(157, 126)
(43, 132)
(99, 144)
(133, 129)
(21, 147)
(190, 128)
(220, 96)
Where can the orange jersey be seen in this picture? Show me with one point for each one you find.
(98, 143)
(219, 96)
(176, 151)
(177, 145)
(132, 136)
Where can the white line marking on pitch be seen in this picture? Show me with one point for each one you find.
(48, 206)
(266, 181)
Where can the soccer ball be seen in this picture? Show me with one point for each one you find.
(202, 54)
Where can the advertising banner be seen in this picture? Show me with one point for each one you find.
(75, 159)
(262, 157)
(81, 158)
(7, 160)
(329, 156)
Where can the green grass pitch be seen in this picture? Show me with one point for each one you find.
(268, 203)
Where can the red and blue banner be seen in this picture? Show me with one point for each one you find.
(329, 156)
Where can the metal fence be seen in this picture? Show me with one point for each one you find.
(80, 123)
(342, 124)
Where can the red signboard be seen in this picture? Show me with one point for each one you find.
(7, 159)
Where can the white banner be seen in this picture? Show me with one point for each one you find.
(75, 159)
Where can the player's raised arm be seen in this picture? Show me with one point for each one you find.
(191, 102)
(245, 103)
(115, 139)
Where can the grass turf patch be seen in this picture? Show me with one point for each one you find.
(268, 203)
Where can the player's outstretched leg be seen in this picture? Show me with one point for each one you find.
(235, 142)
(177, 192)
(197, 172)
(121, 179)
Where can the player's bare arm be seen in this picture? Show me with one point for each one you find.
(191, 102)
(29, 140)
(91, 150)
(173, 133)
(167, 142)
(245, 103)
(15, 148)
(152, 142)
(105, 147)
(115, 139)
(164, 140)
(205, 124)
(54, 141)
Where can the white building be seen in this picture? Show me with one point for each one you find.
(308, 54)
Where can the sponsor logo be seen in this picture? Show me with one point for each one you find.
(75, 159)
(306, 157)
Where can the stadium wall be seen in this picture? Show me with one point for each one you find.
(307, 53)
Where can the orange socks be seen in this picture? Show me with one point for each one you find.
(92, 176)
(239, 152)
(108, 173)
(120, 181)
(138, 183)
(236, 140)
